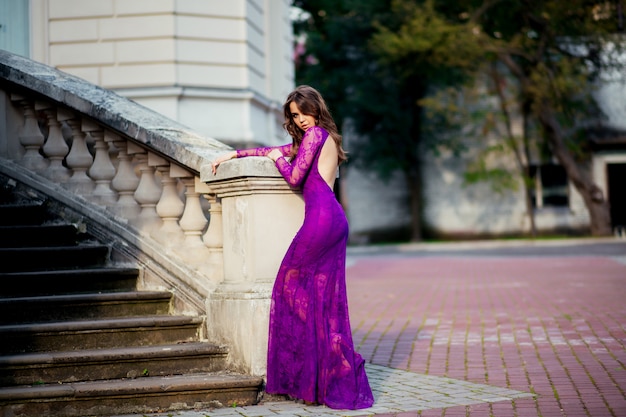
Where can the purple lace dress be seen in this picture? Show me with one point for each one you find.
(311, 354)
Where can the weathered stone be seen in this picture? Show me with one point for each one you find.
(111, 110)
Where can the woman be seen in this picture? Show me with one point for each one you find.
(311, 354)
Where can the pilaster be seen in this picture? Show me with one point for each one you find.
(260, 216)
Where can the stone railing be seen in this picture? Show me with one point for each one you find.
(143, 183)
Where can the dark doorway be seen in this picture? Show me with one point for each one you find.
(616, 174)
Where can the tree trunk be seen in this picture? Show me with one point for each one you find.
(512, 143)
(530, 210)
(417, 89)
(526, 171)
(415, 194)
(595, 201)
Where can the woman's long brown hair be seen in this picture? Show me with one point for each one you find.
(311, 103)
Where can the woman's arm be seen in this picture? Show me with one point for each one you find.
(222, 158)
(263, 151)
(295, 172)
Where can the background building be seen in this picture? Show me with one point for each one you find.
(224, 68)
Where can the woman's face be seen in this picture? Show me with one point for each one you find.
(303, 121)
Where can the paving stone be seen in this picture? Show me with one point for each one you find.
(505, 333)
(408, 392)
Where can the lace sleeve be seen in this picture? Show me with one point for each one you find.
(295, 172)
(263, 151)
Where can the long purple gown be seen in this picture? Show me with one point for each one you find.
(311, 354)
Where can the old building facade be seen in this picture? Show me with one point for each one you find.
(220, 67)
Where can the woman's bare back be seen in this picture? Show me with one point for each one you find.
(327, 163)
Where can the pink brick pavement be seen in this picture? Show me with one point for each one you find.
(554, 326)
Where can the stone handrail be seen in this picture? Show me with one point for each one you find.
(143, 183)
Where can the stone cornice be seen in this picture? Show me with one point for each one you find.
(249, 167)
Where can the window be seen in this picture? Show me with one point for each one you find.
(14, 26)
(551, 188)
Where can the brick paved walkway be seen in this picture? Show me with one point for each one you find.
(554, 326)
(459, 335)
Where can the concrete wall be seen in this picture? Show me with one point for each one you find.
(454, 208)
(612, 102)
(375, 209)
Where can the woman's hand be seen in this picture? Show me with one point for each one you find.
(222, 158)
(274, 154)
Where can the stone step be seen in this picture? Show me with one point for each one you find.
(22, 214)
(80, 340)
(130, 396)
(83, 306)
(46, 258)
(101, 364)
(99, 334)
(38, 235)
(67, 281)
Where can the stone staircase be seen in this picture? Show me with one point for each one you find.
(79, 339)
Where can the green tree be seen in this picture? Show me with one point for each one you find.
(377, 92)
(556, 50)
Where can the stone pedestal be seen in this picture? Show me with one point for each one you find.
(260, 217)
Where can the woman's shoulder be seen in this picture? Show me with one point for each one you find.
(318, 131)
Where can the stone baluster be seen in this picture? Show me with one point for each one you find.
(55, 148)
(102, 170)
(125, 181)
(193, 222)
(30, 137)
(170, 207)
(79, 159)
(147, 195)
(214, 238)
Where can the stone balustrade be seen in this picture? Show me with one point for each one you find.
(154, 195)
(143, 183)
